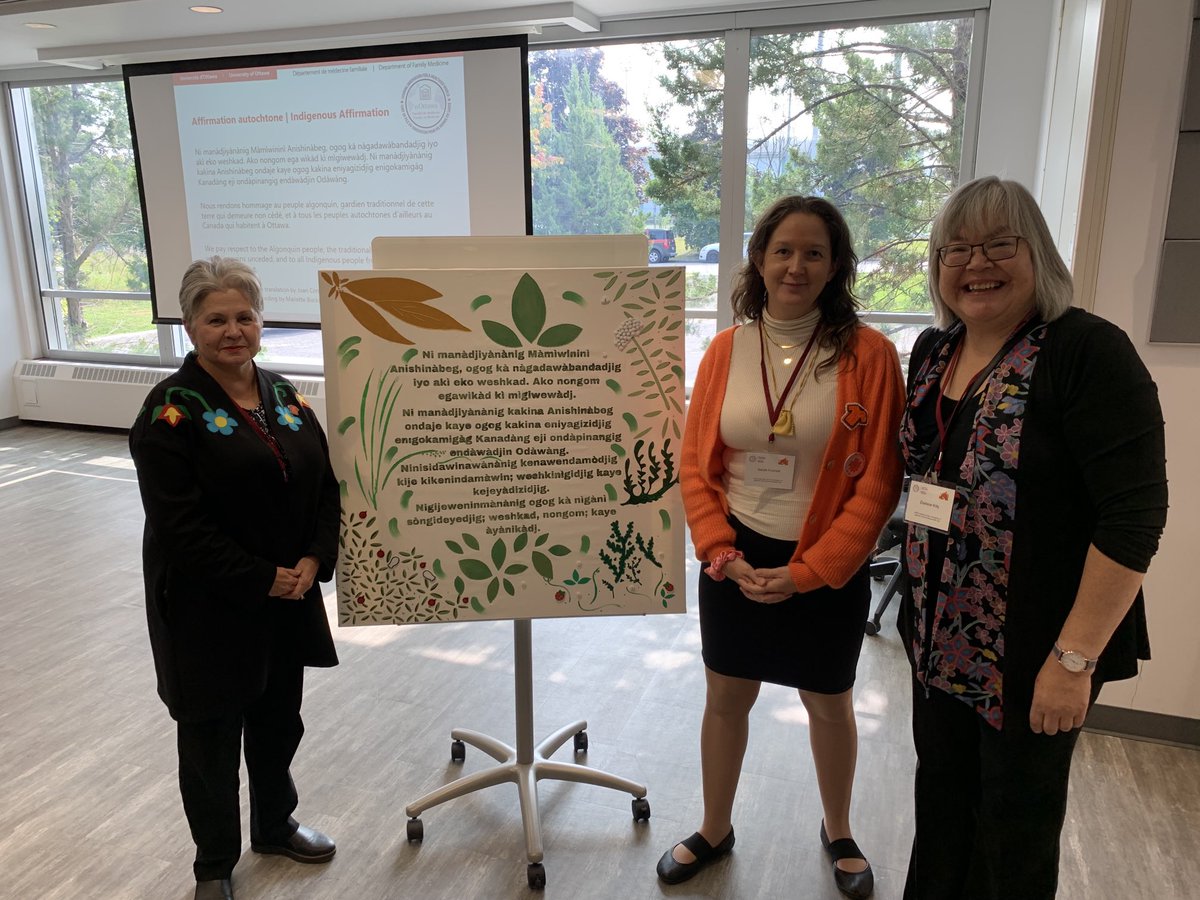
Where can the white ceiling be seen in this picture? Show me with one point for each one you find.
(91, 33)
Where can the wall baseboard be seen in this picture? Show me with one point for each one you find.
(1144, 726)
(10, 422)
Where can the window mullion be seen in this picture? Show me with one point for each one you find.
(733, 166)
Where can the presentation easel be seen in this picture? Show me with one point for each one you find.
(505, 458)
(524, 766)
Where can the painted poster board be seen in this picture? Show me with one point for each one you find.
(507, 441)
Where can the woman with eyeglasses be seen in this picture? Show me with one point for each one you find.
(1034, 441)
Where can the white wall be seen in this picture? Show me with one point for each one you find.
(1138, 190)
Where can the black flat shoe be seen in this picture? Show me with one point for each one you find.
(221, 889)
(672, 871)
(856, 885)
(307, 845)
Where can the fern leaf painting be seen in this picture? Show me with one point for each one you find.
(402, 298)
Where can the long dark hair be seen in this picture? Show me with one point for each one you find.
(837, 303)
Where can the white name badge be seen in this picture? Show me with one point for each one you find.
(930, 503)
(770, 470)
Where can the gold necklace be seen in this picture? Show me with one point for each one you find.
(775, 342)
(785, 425)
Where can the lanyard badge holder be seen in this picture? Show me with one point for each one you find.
(930, 499)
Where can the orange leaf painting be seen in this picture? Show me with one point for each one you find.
(378, 290)
(420, 315)
(372, 319)
(402, 298)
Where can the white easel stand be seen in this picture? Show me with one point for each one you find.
(525, 766)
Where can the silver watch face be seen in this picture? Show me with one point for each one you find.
(1073, 661)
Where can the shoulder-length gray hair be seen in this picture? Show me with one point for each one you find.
(218, 273)
(980, 207)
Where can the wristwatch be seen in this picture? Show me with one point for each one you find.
(1073, 660)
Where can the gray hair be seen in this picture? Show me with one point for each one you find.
(987, 203)
(219, 273)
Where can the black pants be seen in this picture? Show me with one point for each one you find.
(990, 804)
(209, 760)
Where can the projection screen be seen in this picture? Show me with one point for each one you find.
(295, 162)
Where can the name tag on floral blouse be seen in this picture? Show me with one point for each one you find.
(770, 470)
(930, 503)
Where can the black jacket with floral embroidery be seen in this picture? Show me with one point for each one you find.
(222, 512)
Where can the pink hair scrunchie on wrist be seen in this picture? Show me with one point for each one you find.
(716, 569)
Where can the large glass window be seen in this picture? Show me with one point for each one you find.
(86, 218)
(609, 143)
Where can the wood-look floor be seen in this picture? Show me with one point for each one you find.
(89, 806)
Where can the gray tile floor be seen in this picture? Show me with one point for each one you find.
(89, 805)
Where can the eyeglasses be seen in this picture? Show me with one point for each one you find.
(955, 255)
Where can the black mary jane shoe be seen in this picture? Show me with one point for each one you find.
(307, 845)
(856, 885)
(671, 871)
(220, 889)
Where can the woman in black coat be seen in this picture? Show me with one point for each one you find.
(242, 518)
(1034, 438)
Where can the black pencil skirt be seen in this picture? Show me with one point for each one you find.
(809, 641)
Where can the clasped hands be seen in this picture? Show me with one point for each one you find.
(761, 585)
(292, 584)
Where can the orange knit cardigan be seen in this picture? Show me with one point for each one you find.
(861, 471)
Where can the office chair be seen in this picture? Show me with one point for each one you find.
(889, 567)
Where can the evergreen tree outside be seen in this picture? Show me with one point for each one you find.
(581, 187)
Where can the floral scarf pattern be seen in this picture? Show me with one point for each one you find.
(964, 655)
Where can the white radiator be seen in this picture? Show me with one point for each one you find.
(73, 393)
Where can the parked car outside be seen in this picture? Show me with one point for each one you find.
(711, 253)
(662, 244)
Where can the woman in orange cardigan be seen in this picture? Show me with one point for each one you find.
(786, 489)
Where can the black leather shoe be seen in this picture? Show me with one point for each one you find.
(221, 889)
(672, 871)
(307, 845)
(856, 885)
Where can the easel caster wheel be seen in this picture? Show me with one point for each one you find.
(458, 751)
(416, 831)
(871, 628)
(641, 809)
(537, 876)
(581, 742)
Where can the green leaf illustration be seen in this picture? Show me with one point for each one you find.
(405, 498)
(499, 551)
(501, 334)
(480, 301)
(613, 386)
(348, 343)
(666, 519)
(560, 550)
(470, 541)
(474, 569)
(630, 420)
(344, 424)
(610, 491)
(584, 543)
(573, 297)
(528, 308)
(347, 358)
(409, 354)
(516, 569)
(508, 588)
(493, 589)
(559, 335)
(394, 530)
(542, 565)
(521, 540)
(455, 546)
(476, 605)
(437, 568)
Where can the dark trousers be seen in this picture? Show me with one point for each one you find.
(209, 760)
(989, 804)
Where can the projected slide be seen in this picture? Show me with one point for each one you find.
(297, 167)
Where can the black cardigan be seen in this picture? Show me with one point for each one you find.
(220, 517)
(1092, 471)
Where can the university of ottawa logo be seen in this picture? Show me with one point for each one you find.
(855, 416)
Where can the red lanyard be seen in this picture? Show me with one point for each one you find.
(774, 409)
